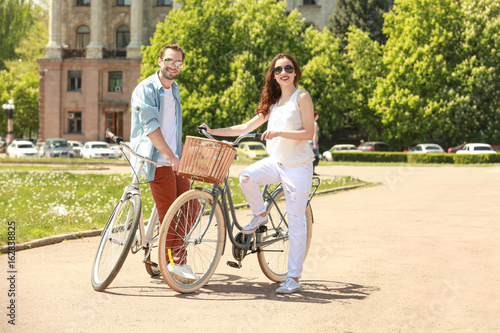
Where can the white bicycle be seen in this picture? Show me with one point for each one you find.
(126, 230)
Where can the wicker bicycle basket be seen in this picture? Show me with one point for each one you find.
(206, 160)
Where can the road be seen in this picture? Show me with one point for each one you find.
(417, 253)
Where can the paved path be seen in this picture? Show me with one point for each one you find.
(418, 253)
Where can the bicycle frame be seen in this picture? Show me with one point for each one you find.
(145, 234)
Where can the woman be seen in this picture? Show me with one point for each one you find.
(290, 115)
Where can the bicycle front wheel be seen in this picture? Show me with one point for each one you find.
(273, 258)
(116, 240)
(191, 241)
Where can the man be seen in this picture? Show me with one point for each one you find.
(156, 133)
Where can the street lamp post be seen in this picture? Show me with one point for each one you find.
(9, 111)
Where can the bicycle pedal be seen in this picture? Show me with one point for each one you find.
(151, 263)
(262, 228)
(233, 264)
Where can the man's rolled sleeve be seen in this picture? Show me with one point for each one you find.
(146, 111)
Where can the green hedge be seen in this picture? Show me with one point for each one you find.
(432, 158)
(370, 157)
(416, 158)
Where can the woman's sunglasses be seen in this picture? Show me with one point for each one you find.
(278, 70)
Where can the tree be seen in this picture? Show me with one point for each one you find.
(475, 81)
(364, 59)
(15, 20)
(19, 81)
(443, 78)
(366, 15)
(415, 97)
(31, 46)
(229, 46)
(326, 78)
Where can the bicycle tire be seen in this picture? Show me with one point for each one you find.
(116, 240)
(201, 255)
(273, 259)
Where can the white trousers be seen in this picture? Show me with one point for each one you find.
(296, 181)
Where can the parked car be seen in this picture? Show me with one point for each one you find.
(426, 148)
(116, 149)
(22, 149)
(77, 147)
(342, 148)
(251, 150)
(375, 146)
(125, 153)
(97, 149)
(2, 146)
(457, 148)
(477, 148)
(57, 148)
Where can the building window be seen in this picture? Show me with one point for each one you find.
(122, 37)
(74, 81)
(75, 122)
(309, 2)
(163, 2)
(82, 37)
(83, 2)
(115, 81)
(123, 2)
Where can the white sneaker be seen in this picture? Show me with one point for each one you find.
(290, 286)
(182, 273)
(255, 222)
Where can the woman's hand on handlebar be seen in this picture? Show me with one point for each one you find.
(205, 126)
(268, 135)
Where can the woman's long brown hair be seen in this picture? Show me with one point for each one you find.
(272, 91)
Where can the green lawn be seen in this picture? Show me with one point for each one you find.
(44, 203)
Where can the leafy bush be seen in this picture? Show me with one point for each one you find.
(431, 158)
(370, 157)
(480, 158)
(416, 158)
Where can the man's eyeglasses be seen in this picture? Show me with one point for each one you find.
(168, 62)
(288, 69)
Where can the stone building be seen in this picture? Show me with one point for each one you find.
(316, 12)
(92, 62)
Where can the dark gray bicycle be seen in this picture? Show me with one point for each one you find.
(193, 233)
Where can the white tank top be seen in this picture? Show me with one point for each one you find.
(288, 117)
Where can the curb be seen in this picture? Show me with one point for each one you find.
(92, 233)
(51, 240)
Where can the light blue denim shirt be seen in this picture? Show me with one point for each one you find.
(147, 115)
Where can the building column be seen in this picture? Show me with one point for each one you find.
(95, 47)
(134, 47)
(54, 47)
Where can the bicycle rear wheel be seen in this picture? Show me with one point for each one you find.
(116, 240)
(191, 243)
(273, 258)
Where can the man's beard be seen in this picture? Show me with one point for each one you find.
(169, 76)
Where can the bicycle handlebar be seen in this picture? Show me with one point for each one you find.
(112, 136)
(203, 130)
(119, 140)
